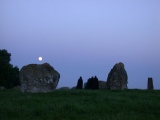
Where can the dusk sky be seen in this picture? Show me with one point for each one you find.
(84, 37)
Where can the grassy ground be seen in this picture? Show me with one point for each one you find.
(80, 105)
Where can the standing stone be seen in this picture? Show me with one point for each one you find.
(150, 84)
(38, 78)
(117, 78)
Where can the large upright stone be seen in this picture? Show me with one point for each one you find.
(150, 84)
(117, 78)
(38, 78)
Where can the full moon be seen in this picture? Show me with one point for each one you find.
(40, 58)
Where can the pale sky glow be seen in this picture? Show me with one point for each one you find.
(84, 37)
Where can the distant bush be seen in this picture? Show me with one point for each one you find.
(89, 84)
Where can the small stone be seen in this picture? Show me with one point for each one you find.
(64, 88)
(150, 84)
(102, 84)
(73, 88)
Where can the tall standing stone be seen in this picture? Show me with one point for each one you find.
(150, 84)
(117, 78)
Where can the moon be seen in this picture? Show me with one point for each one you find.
(40, 58)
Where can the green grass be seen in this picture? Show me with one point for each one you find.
(80, 105)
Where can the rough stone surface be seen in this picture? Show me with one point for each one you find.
(102, 84)
(150, 84)
(117, 78)
(38, 78)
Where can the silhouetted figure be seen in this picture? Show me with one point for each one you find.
(79, 83)
(150, 84)
(89, 84)
(95, 84)
(92, 83)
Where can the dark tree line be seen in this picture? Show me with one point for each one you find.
(9, 75)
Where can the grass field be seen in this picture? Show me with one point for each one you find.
(80, 105)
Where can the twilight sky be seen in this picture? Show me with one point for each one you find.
(84, 37)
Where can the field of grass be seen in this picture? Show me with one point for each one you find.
(80, 105)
